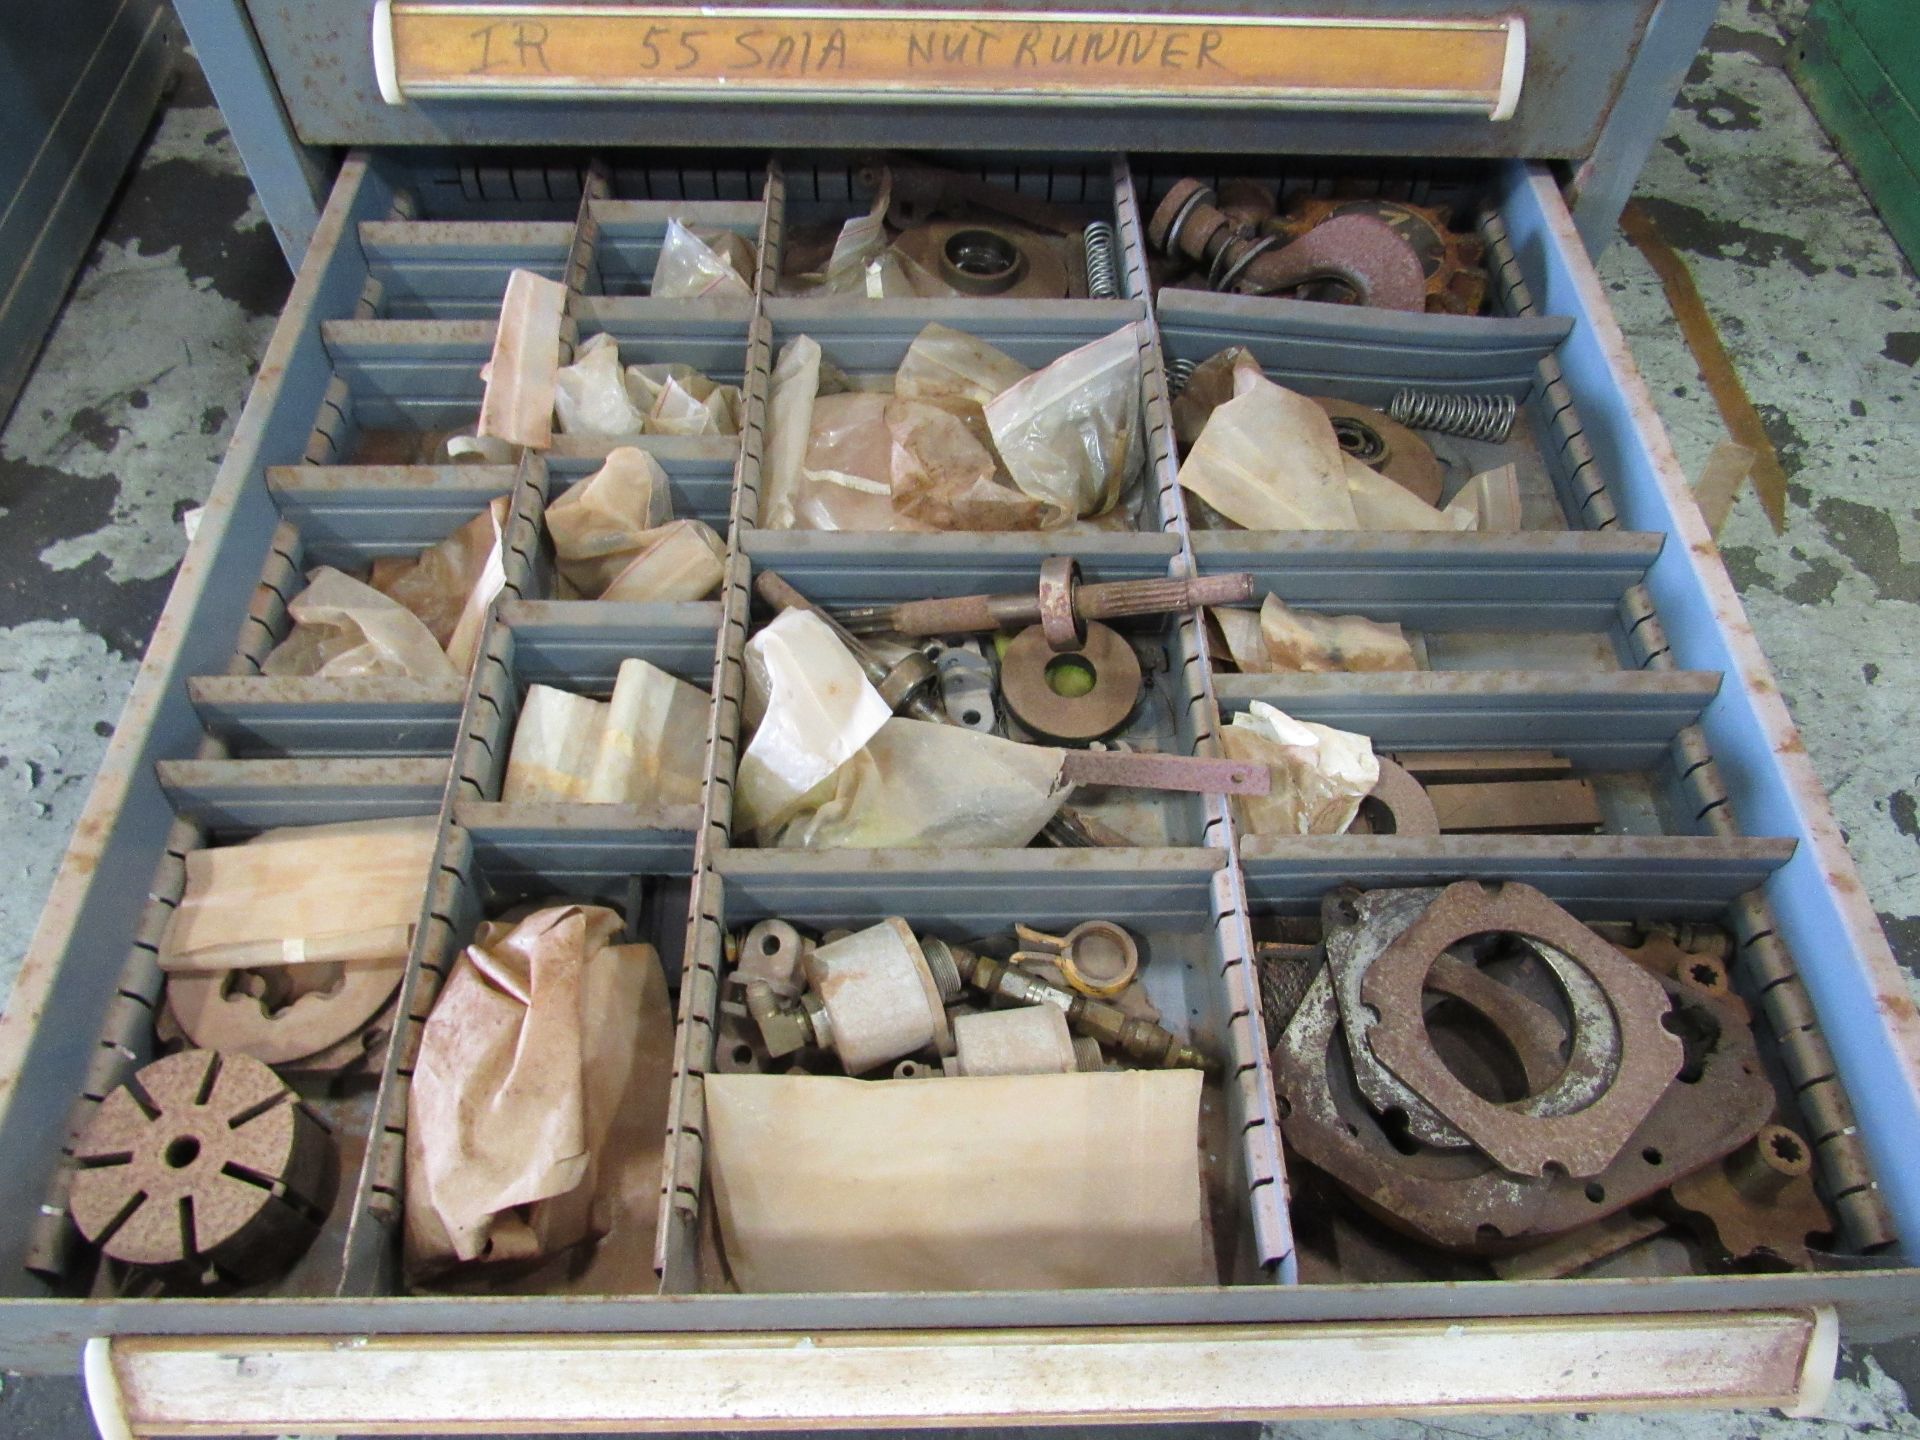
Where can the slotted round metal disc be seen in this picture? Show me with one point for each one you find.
(205, 1160)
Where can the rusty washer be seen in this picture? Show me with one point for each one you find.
(206, 1162)
(1026, 684)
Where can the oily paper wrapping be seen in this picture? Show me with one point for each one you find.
(303, 894)
(536, 1117)
(1040, 1182)
(343, 627)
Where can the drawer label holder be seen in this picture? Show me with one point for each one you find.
(430, 50)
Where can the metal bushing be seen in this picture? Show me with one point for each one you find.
(1059, 617)
(987, 260)
(204, 1162)
(1026, 685)
(1098, 958)
(882, 996)
(1382, 443)
(237, 1012)
(1582, 1142)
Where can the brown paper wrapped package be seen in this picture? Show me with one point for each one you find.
(1008, 1182)
(537, 1113)
(303, 894)
(450, 585)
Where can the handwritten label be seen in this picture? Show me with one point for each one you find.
(476, 50)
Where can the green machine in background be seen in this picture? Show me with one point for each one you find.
(1858, 64)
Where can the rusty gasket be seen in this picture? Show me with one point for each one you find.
(1459, 1199)
(1361, 926)
(1583, 1141)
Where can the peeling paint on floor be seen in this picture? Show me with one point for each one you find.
(134, 401)
(119, 430)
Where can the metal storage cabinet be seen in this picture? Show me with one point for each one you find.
(388, 320)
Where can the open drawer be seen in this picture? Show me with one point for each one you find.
(1605, 633)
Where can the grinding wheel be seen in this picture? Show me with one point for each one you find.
(1026, 684)
(1387, 446)
(204, 1162)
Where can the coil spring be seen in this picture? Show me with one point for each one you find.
(1472, 417)
(1103, 261)
(1179, 372)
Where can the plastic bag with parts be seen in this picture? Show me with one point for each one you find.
(1070, 434)
(702, 264)
(590, 396)
(600, 525)
(682, 560)
(811, 709)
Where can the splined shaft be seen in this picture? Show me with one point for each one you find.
(1103, 600)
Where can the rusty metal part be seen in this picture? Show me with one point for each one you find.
(1583, 1141)
(1139, 1039)
(1518, 807)
(1450, 260)
(982, 260)
(1701, 972)
(774, 952)
(1567, 1067)
(1072, 829)
(1027, 687)
(284, 1013)
(1096, 958)
(1459, 1199)
(1759, 1205)
(1363, 253)
(206, 1164)
(737, 1047)
(1247, 203)
(1397, 805)
(1384, 444)
(1285, 972)
(1068, 829)
(1442, 767)
(1191, 773)
(881, 996)
(1100, 600)
(1581, 1250)
(922, 193)
(1060, 619)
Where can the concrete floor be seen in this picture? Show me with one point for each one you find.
(126, 418)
